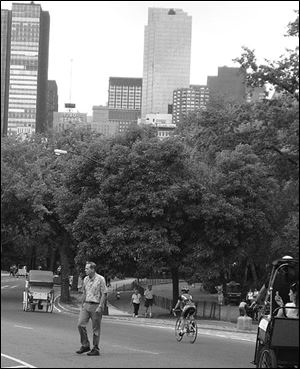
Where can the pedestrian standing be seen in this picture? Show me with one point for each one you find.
(148, 300)
(136, 300)
(249, 296)
(243, 307)
(94, 293)
(220, 294)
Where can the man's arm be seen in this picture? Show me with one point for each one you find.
(103, 290)
(83, 294)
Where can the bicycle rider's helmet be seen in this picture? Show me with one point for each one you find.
(185, 289)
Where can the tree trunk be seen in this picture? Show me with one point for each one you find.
(51, 258)
(32, 264)
(175, 283)
(245, 274)
(74, 286)
(253, 271)
(65, 271)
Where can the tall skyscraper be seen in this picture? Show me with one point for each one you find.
(52, 102)
(124, 101)
(28, 48)
(167, 58)
(5, 56)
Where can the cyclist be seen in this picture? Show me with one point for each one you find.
(186, 305)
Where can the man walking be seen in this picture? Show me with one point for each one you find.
(94, 292)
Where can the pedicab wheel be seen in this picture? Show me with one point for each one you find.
(178, 329)
(267, 359)
(193, 331)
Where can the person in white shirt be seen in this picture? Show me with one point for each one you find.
(136, 300)
(242, 308)
(94, 294)
(288, 309)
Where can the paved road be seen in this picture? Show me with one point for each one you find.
(40, 339)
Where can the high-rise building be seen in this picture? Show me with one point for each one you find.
(28, 48)
(229, 85)
(167, 58)
(124, 101)
(189, 99)
(52, 102)
(5, 56)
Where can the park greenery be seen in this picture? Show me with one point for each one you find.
(217, 201)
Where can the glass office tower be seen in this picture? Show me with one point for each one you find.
(28, 69)
(167, 58)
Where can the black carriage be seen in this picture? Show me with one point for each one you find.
(277, 341)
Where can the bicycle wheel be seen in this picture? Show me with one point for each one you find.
(178, 328)
(193, 330)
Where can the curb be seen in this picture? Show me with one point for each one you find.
(151, 321)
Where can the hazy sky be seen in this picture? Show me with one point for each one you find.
(106, 39)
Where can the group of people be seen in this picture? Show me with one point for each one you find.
(252, 296)
(136, 299)
(13, 270)
(289, 310)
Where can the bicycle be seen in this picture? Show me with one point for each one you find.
(190, 328)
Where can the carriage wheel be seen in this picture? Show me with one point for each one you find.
(267, 359)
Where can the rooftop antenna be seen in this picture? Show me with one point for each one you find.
(70, 105)
(70, 94)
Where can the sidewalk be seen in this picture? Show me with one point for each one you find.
(115, 313)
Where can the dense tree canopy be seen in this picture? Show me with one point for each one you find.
(218, 201)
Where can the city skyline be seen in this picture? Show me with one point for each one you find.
(106, 39)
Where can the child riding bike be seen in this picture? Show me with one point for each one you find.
(186, 305)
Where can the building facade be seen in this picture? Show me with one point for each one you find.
(5, 56)
(167, 58)
(28, 49)
(52, 102)
(162, 124)
(100, 122)
(189, 99)
(124, 102)
(64, 121)
(100, 114)
(228, 86)
(255, 94)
